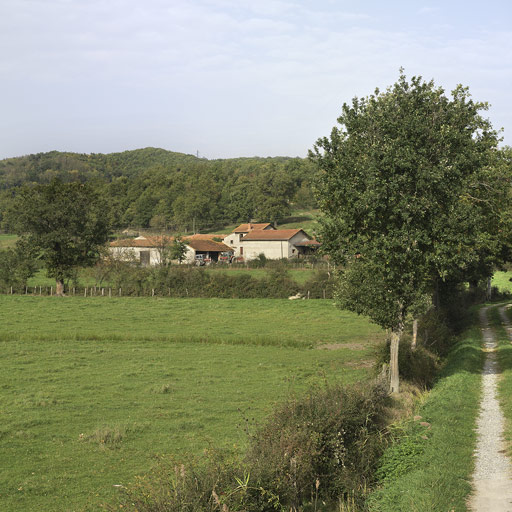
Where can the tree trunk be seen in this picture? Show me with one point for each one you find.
(414, 333)
(393, 360)
(59, 288)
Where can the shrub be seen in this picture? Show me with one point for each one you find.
(322, 446)
(320, 286)
(326, 443)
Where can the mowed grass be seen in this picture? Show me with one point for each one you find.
(276, 322)
(93, 390)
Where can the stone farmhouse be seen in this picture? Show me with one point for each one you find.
(245, 243)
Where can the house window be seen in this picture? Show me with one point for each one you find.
(231, 242)
(241, 251)
(293, 251)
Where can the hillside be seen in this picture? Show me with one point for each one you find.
(155, 188)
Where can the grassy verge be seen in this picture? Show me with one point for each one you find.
(430, 468)
(93, 391)
(505, 383)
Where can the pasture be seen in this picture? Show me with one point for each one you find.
(94, 390)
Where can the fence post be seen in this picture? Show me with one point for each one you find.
(324, 293)
(26, 290)
(73, 291)
(110, 292)
(103, 292)
(11, 290)
(51, 291)
(308, 294)
(85, 291)
(119, 292)
(152, 292)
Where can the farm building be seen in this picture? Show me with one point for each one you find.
(250, 240)
(152, 250)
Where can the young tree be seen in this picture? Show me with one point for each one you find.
(178, 249)
(412, 189)
(65, 223)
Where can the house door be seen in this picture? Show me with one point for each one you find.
(144, 258)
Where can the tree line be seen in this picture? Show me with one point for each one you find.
(159, 189)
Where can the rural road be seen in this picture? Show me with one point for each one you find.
(492, 479)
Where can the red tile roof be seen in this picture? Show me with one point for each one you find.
(246, 228)
(208, 246)
(272, 234)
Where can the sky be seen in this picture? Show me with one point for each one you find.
(230, 78)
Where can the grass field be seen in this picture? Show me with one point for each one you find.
(7, 241)
(92, 390)
(502, 280)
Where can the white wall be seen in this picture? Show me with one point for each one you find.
(272, 249)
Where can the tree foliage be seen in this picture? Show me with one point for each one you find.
(64, 223)
(158, 188)
(414, 189)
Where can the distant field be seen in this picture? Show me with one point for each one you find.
(305, 219)
(502, 280)
(7, 241)
(91, 390)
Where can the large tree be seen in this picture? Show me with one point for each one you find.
(413, 187)
(66, 224)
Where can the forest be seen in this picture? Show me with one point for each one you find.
(164, 190)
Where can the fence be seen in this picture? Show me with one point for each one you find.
(95, 291)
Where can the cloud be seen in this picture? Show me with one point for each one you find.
(181, 71)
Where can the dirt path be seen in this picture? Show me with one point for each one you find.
(492, 482)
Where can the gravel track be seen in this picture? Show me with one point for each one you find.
(492, 482)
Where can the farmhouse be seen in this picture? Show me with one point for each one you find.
(250, 240)
(153, 250)
(245, 243)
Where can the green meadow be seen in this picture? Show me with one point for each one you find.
(94, 390)
(502, 280)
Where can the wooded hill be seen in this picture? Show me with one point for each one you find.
(162, 189)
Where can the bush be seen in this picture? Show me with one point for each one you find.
(321, 446)
(320, 286)
(16, 266)
(324, 445)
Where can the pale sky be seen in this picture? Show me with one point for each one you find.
(230, 78)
